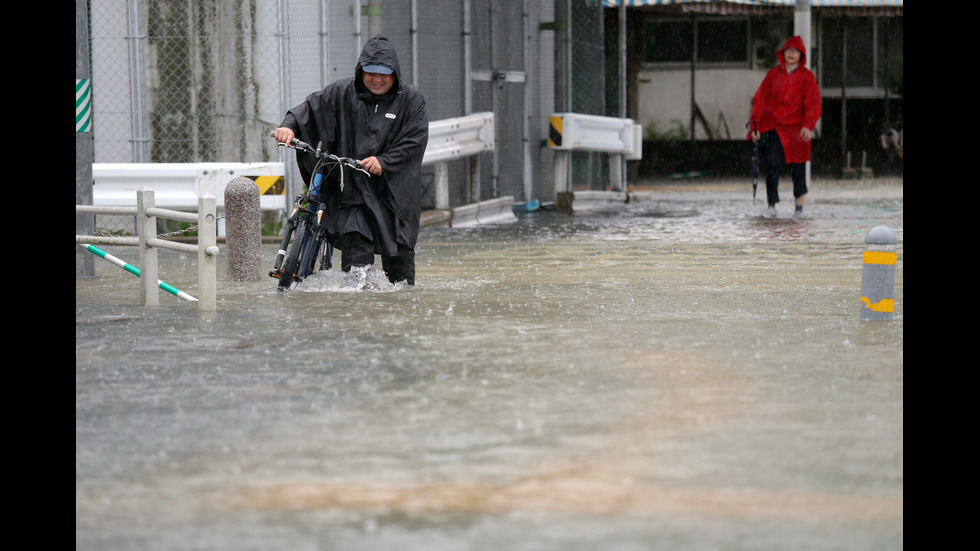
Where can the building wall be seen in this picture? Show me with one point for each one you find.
(723, 95)
(855, 46)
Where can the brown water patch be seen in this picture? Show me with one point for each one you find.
(612, 473)
(587, 490)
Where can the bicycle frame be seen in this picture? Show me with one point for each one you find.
(304, 226)
(290, 226)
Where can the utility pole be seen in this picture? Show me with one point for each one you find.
(801, 27)
(84, 141)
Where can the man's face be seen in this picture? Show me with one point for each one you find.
(792, 56)
(378, 83)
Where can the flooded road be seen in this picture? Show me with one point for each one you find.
(674, 373)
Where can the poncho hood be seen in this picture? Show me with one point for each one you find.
(377, 51)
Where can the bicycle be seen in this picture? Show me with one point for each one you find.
(304, 243)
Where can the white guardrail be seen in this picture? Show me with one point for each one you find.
(178, 186)
(453, 139)
(458, 138)
(577, 132)
(622, 139)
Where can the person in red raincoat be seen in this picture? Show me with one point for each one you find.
(785, 111)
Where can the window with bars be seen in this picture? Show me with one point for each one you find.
(863, 54)
(719, 42)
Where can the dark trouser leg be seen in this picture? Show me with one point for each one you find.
(798, 170)
(400, 267)
(774, 166)
(357, 251)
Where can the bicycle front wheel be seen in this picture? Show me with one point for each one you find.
(313, 254)
(291, 264)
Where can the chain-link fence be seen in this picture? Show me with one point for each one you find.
(587, 93)
(179, 81)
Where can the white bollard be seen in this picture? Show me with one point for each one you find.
(878, 275)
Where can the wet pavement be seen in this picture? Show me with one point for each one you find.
(674, 373)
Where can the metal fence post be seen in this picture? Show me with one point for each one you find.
(147, 228)
(136, 40)
(207, 251)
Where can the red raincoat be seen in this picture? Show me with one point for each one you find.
(788, 102)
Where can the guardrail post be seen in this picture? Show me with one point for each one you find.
(563, 191)
(475, 190)
(207, 252)
(147, 228)
(616, 174)
(442, 186)
(878, 276)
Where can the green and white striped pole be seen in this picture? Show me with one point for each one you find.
(83, 105)
(136, 271)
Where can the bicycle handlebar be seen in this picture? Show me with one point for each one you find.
(317, 152)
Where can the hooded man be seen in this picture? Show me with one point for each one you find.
(382, 121)
(785, 110)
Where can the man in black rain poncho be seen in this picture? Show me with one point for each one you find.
(381, 121)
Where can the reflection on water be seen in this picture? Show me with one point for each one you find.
(672, 374)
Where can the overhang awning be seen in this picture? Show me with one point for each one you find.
(863, 7)
(774, 3)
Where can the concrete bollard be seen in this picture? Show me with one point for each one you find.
(878, 276)
(243, 230)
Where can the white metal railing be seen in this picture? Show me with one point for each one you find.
(149, 242)
(622, 139)
(179, 185)
(458, 138)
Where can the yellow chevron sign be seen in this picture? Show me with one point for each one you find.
(269, 185)
(554, 131)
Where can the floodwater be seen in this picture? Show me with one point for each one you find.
(672, 374)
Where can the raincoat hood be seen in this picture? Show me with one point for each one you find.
(797, 44)
(377, 51)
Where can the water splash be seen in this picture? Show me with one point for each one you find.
(359, 278)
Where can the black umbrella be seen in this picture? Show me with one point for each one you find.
(755, 159)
